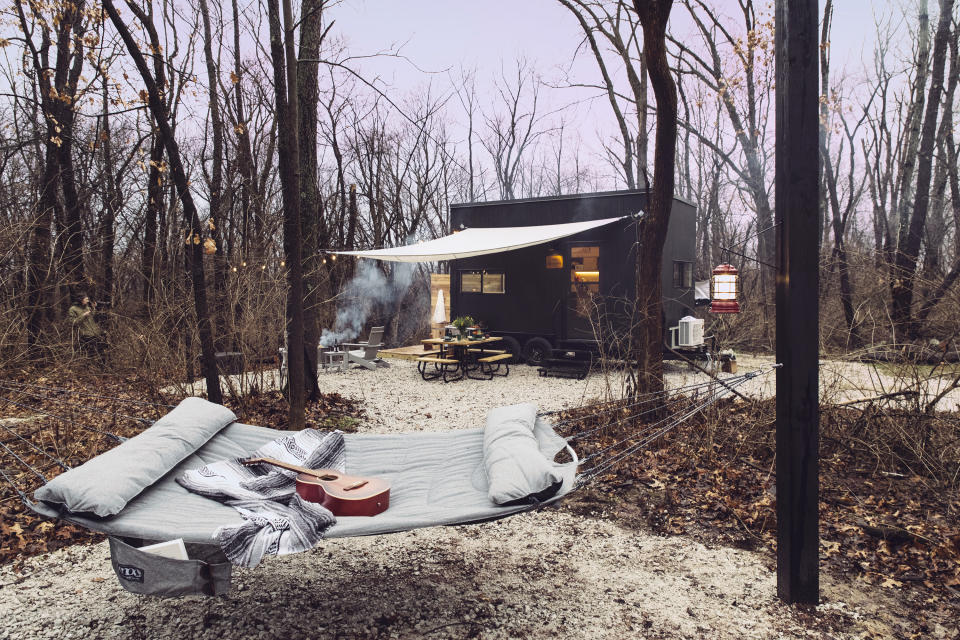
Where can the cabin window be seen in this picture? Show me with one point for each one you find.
(492, 282)
(682, 275)
(585, 269)
(471, 281)
(584, 281)
(482, 282)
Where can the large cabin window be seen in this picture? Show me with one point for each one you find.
(482, 282)
(585, 269)
(584, 284)
(682, 274)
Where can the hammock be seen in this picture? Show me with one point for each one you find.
(437, 479)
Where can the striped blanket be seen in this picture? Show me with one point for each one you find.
(276, 520)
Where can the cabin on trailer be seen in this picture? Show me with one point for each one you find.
(555, 296)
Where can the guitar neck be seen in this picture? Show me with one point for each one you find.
(284, 465)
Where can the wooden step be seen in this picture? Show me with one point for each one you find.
(438, 360)
(501, 356)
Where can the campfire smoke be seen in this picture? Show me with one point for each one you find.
(368, 288)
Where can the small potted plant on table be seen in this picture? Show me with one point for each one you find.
(461, 323)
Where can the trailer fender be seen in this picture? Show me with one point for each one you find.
(536, 351)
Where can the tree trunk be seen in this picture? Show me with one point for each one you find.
(315, 235)
(648, 331)
(111, 198)
(252, 238)
(905, 264)
(221, 308)
(285, 82)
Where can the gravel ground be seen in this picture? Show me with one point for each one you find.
(537, 575)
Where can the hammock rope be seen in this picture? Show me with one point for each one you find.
(30, 444)
(630, 418)
(677, 400)
(66, 420)
(88, 395)
(603, 467)
(642, 398)
(72, 405)
(25, 464)
(667, 422)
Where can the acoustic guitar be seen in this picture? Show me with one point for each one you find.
(343, 495)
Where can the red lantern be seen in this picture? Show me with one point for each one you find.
(724, 288)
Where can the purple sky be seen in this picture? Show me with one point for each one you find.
(441, 38)
(447, 35)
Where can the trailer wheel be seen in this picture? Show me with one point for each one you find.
(512, 345)
(536, 351)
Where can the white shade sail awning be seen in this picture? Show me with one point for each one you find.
(480, 241)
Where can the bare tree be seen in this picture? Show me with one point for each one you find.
(195, 261)
(511, 133)
(648, 339)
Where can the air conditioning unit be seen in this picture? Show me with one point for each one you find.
(690, 332)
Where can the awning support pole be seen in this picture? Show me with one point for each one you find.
(797, 214)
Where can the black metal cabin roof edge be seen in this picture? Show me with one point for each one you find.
(569, 196)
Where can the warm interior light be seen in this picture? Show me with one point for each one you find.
(587, 276)
(555, 261)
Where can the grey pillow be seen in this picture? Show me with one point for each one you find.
(516, 468)
(105, 484)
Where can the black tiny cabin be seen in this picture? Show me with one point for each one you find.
(541, 296)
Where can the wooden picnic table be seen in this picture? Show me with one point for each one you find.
(454, 360)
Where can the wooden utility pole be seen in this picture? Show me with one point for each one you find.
(798, 327)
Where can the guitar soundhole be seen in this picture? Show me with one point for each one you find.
(329, 477)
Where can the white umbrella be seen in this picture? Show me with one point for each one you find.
(439, 313)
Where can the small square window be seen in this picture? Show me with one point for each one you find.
(471, 281)
(493, 283)
(682, 275)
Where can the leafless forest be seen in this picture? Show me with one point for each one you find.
(145, 146)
